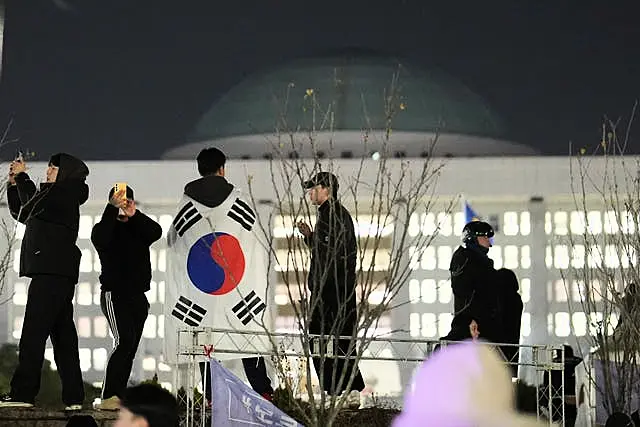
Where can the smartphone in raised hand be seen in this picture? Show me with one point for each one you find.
(120, 187)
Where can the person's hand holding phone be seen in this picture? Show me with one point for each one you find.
(129, 208)
(119, 199)
(304, 228)
(17, 166)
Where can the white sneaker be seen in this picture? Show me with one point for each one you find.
(72, 408)
(8, 403)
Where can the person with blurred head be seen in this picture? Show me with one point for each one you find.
(332, 283)
(50, 257)
(473, 278)
(465, 385)
(147, 405)
(122, 239)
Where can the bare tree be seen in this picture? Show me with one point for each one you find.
(604, 266)
(387, 190)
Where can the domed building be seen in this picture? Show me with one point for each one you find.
(342, 97)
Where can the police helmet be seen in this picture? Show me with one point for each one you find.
(474, 229)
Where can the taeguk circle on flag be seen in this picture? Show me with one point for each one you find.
(216, 263)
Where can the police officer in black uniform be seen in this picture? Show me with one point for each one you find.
(332, 280)
(473, 280)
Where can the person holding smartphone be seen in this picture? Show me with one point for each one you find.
(50, 257)
(122, 238)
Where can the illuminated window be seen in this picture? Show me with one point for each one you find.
(85, 226)
(627, 223)
(597, 291)
(150, 327)
(548, 256)
(594, 256)
(562, 324)
(577, 256)
(444, 257)
(149, 364)
(167, 386)
(163, 367)
(445, 224)
(428, 261)
(525, 290)
(86, 262)
(165, 223)
(560, 223)
(525, 256)
(444, 291)
(561, 257)
(429, 225)
(594, 222)
(611, 259)
(100, 327)
(162, 260)
(525, 223)
(444, 323)
(610, 224)
(96, 293)
(525, 326)
(578, 291)
(511, 256)
(548, 225)
(414, 225)
(579, 322)
(85, 359)
(161, 326)
(20, 293)
(628, 257)
(84, 294)
(152, 293)
(595, 323)
(414, 324)
(510, 226)
(458, 223)
(84, 327)
(97, 266)
(495, 253)
(48, 354)
(414, 291)
(100, 359)
(414, 257)
(16, 261)
(17, 327)
(429, 291)
(560, 291)
(578, 222)
(161, 292)
(429, 323)
(153, 257)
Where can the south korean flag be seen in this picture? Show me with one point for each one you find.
(217, 275)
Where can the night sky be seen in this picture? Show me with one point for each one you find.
(127, 79)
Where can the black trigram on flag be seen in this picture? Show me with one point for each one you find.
(188, 312)
(186, 218)
(242, 213)
(249, 307)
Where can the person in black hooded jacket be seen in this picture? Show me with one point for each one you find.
(212, 189)
(50, 257)
(475, 296)
(511, 308)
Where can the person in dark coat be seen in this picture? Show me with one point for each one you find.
(473, 280)
(332, 282)
(50, 257)
(123, 238)
(511, 308)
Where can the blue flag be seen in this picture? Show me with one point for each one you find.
(471, 215)
(235, 404)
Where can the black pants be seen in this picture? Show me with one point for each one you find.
(126, 315)
(49, 313)
(255, 370)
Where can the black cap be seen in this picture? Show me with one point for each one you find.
(325, 179)
(129, 193)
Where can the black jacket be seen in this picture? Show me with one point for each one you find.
(123, 248)
(51, 215)
(474, 294)
(332, 271)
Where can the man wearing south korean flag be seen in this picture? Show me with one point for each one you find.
(217, 268)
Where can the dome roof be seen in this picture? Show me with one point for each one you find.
(349, 91)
